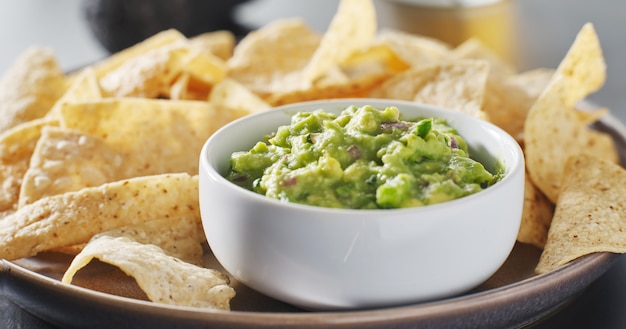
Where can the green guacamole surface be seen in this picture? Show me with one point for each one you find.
(363, 158)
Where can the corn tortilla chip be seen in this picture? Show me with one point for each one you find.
(272, 58)
(180, 237)
(413, 50)
(508, 100)
(229, 95)
(16, 149)
(324, 89)
(552, 120)
(374, 58)
(458, 86)
(148, 75)
(163, 278)
(218, 43)
(30, 87)
(75, 217)
(67, 160)
(157, 136)
(352, 28)
(536, 216)
(590, 214)
(84, 87)
(473, 48)
(110, 140)
(161, 39)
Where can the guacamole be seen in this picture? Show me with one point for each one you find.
(363, 158)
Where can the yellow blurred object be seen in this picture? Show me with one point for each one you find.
(492, 22)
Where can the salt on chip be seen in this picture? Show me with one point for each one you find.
(352, 28)
(553, 131)
(74, 217)
(110, 140)
(16, 148)
(67, 160)
(30, 87)
(459, 86)
(163, 278)
(590, 214)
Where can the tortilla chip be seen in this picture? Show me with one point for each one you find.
(84, 87)
(148, 75)
(200, 71)
(413, 50)
(507, 101)
(379, 58)
(458, 86)
(161, 39)
(67, 160)
(156, 136)
(163, 278)
(179, 89)
(75, 217)
(181, 237)
(326, 89)
(473, 48)
(16, 148)
(178, 237)
(536, 216)
(109, 140)
(352, 28)
(553, 121)
(229, 95)
(30, 87)
(533, 82)
(271, 58)
(590, 214)
(218, 43)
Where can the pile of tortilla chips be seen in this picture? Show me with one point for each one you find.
(102, 162)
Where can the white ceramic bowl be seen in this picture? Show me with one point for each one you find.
(332, 259)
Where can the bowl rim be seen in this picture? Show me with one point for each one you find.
(510, 168)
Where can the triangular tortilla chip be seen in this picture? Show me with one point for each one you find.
(553, 131)
(590, 214)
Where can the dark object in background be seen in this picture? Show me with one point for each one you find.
(118, 24)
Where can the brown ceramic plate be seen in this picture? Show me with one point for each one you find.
(512, 298)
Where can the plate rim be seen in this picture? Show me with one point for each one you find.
(570, 279)
(581, 272)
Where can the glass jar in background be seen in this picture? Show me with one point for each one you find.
(454, 21)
